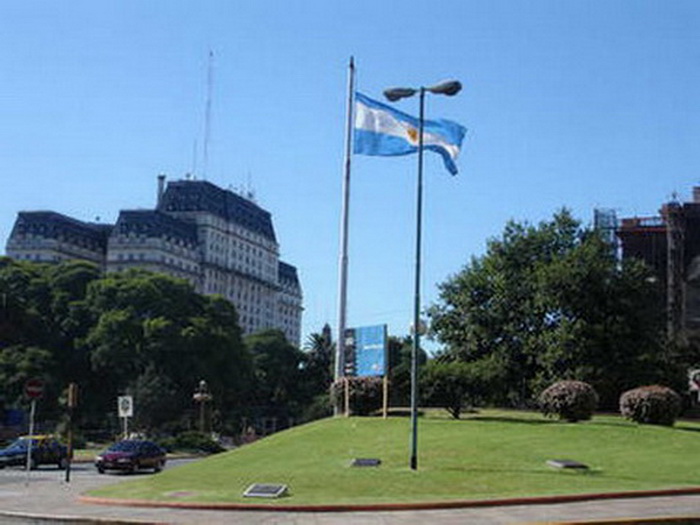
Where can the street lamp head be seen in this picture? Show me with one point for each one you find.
(448, 87)
(394, 94)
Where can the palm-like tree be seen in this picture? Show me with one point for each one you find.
(320, 351)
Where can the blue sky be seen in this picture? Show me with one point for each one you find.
(570, 103)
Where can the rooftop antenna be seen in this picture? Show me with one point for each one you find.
(250, 192)
(193, 172)
(207, 114)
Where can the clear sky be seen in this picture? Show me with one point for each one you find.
(581, 104)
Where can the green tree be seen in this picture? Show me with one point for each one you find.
(22, 310)
(400, 350)
(68, 317)
(277, 366)
(551, 302)
(452, 385)
(18, 364)
(318, 364)
(136, 332)
(140, 342)
(41, 316)
(317, 374)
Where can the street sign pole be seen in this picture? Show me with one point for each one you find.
(72, 403)
(125, 406)
(32, 411)
(33, 389)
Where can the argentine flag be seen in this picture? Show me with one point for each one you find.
(382, 130)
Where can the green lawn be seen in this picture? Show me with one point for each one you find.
(493, 454)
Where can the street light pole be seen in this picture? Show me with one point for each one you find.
(449, 88)
(416, 302)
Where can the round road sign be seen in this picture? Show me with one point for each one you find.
(34, 388)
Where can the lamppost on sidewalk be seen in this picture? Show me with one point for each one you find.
(449, 88)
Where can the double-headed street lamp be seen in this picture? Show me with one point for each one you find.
(449, 88)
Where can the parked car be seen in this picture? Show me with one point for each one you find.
(46, 450)
(131, 455)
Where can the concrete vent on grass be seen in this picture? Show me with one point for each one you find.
(366, 462)
(566, 464)
(265, 490)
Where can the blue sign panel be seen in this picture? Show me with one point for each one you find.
(370, 350)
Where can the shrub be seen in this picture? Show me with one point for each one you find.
(319, 408)
(654, 405)
(569, 400)
(191, 441)
(455, 385)
(365, 394)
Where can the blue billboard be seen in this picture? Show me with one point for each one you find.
(370, 350)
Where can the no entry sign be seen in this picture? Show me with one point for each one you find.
(34, 388)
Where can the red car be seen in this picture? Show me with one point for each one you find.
(131, 455)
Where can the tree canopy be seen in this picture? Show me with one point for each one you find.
(150, 336)
(139, 333)
(551, 302)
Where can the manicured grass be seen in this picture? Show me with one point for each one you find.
(493, 454)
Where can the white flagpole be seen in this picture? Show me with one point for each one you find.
(343, 259)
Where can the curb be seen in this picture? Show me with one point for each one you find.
(682, 520)
(24, 517)
(378, 507)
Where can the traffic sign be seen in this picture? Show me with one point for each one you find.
(126, 406)
(694, 380)
(34, 388)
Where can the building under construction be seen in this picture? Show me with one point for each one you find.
(670, 244)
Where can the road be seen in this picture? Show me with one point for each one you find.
(45, 492)
(81, 473)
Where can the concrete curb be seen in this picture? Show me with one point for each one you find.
(624, 521)
(378, 507)
(627, 521)
(24, 517)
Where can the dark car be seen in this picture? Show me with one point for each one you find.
(131, 455)
(46, 450)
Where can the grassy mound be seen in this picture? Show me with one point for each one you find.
(494, 454)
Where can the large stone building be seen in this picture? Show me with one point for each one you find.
(670, 244)
(219, 241)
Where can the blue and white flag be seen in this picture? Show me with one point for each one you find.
(383, 130)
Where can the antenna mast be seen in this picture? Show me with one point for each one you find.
(207, 114)
(193, 173)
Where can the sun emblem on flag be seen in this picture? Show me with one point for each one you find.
(412, 135)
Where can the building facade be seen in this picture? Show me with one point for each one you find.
(51, 237)
(220, 242)
(670, 244)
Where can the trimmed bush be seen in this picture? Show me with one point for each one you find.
(365, 394)
(653, 405)
(191, 441)
(569, 400)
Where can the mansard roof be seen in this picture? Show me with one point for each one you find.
(52, 225)
(152, 223)
(199, 195)
(287, 273)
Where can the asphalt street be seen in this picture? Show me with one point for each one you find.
(45, 497)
